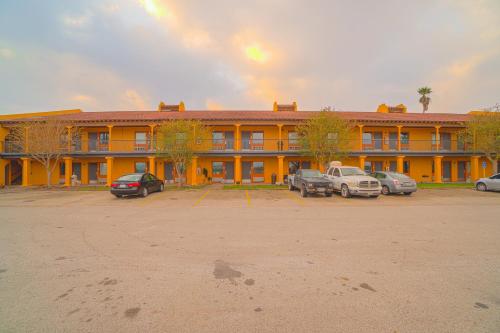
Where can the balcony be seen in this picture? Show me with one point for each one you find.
(248, 146)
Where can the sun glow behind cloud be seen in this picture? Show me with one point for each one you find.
(155, 9)
(256, 53)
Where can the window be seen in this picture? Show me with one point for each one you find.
(257, 140)
(336, 172)
(368, 166)
(218, 140)
(367, 138)
(103, 169)
(217, 168)
(405, 138)
(435, 138)
(293, 166)
(293, 140)
(103, 138)
(332, 137)
(62, 169)
(406, 166)
(130, 178)
(140, 167)
(258, 168)
(141, 141)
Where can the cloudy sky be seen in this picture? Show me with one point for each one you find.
(221, 54)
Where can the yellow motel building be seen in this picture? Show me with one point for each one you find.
(248, 146)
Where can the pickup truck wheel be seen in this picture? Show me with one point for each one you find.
(344, 191)
(328, 195)
(303, 192)
(290, 186)
(407, 193)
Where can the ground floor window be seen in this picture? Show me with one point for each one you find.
(258, 172)
(103, 169)
(293, 166)
(406, 166)
(140, 167)
(62, 169)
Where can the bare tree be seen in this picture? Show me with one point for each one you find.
(179, 140)
(483, 133)
(45, 141)
(325, 137)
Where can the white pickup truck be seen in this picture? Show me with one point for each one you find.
(349, 180)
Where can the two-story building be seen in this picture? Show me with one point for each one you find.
(248, 146)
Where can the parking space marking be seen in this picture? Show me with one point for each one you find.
(247, 195)
(298, 200)
(201, 198)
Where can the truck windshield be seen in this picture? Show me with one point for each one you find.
(352, 172)
(311, 173)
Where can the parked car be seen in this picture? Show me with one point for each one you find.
(136, 184)
(310, 181)
(349, 180)
(489, 184)
(393, 182)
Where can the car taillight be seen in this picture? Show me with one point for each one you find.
(136, 184)
(114, 185)
(396, 182)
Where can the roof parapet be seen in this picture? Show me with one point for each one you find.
(384, 108)
(284, 107)
(162, 107)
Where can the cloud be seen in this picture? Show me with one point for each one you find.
(6, 53)
(135, 100)
(77, 21)
(212, 53)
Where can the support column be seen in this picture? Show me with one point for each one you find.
(152, 143)
(26, 171)
(3, 163)
(109, 176)
(400, 164)
(454, 171)
(437, 169)
(110, 138)
(362, 160)
(152, 165)
(194, 167)
(237, 169)
(85, 173)
(68, 170)
(399, 137)
(438, 138)
(237, 137)
(474, 168)
(280, 170)
(361, 137)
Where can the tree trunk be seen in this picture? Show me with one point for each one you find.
(179, 174)
(49, 174)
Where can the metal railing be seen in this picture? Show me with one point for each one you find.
(264, 145)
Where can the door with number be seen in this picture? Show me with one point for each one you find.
(93, 173)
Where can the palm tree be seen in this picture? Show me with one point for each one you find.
(425, 100)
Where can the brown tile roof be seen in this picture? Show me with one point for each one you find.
(154, 116)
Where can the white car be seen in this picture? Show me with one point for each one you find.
(350, 181)
(489, 184)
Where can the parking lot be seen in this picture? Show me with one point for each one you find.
(210, 260)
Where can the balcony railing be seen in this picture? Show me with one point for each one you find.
(249, 145)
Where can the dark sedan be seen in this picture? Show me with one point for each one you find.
(136, 184)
